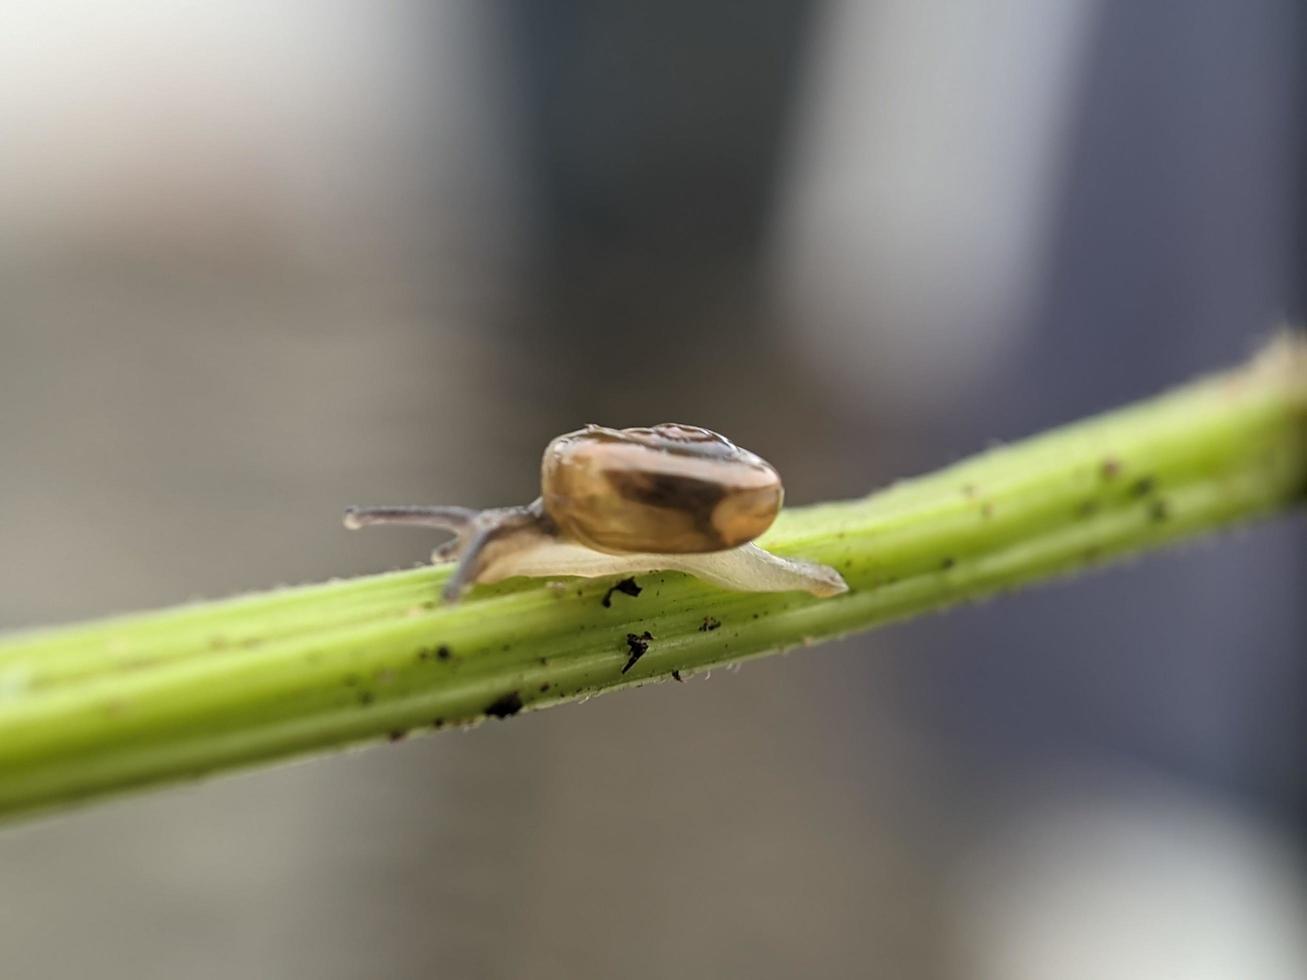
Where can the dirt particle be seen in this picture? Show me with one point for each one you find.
(443, 652)
(437, 723)
(366, 698)
(1143, 486)
(1158, 511)
(398, 735)
(987, 509)
(676, 676)
(709, 624)
(968, 489)
(1110, 468)
(1087, 508)
(505, 706)
(637, 647)
(545, 687)
(948, 563)
(626, 586)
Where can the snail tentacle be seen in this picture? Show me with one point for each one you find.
(445, 518)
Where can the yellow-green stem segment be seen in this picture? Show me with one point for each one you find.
(159, 697)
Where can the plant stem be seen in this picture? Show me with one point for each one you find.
(158, 697)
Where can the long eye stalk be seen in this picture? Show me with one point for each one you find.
(479, 535)
(445, 518)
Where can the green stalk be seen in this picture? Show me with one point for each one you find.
(158, 697)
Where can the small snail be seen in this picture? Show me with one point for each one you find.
(620, 501)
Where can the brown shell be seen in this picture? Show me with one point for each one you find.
(670, 489)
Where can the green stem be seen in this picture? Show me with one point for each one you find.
(158, 697)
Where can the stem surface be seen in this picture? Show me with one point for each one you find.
(163, 696)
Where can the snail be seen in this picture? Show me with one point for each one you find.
(620, 501)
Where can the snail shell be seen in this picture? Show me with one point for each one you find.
(669, 489)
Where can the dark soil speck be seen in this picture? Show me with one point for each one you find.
(506, 706)
(626, 586)
(637, 646)
(1143, 486)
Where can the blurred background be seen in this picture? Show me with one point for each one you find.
(259, 261)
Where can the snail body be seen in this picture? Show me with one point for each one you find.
(618, 501)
